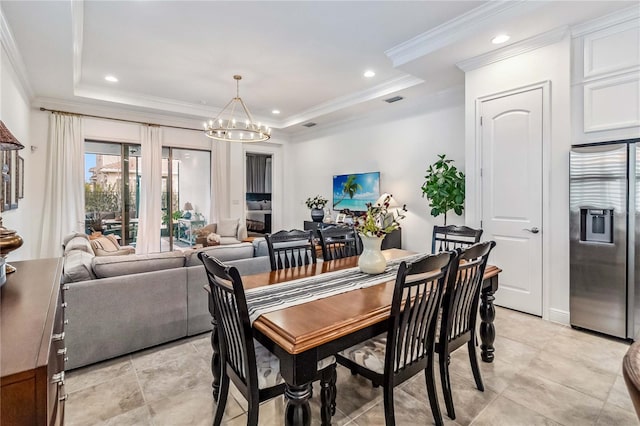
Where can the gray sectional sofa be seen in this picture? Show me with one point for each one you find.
(121, 304)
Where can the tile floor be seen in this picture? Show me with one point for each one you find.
(544, 374)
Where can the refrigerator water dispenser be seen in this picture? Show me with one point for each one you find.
(596, 225)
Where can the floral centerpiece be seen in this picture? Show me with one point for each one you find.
(316, 204)
(378, 221)
(373, 226)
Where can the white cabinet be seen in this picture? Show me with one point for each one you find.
(606, 80)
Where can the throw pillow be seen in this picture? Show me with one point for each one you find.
(227, 227)
(107, 244)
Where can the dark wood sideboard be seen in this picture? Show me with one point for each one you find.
(392, 240)
(32, 351)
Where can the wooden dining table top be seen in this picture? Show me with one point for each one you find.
(299, 328)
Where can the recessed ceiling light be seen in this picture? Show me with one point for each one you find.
(369, 74)
(499, 39)
(275, 111)
(111, 78)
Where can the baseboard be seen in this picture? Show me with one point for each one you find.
(559, 316)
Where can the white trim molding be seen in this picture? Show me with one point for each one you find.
(383, 89)
(10, 46)
(77, 24)
(627, 59)
(515, 49)
(559, 316)
(631, 13)
(458, 28)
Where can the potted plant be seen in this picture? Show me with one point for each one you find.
(373, 226)
(444, 188)
(316, 205)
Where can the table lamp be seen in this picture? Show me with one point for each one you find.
(187, 210)
(9, 239)
(392, 204)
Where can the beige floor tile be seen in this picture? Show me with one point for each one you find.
(136, 417)
(203, 345)
(157, 355)
(193, 407)
(408, 411)
(103, 401)
(557, 402)
(514, 352)
(525, 328)
(504, 412)
(614, 415)
(600, 352)
(496, 375)
(175, 376)
(582, 377)
(355, 394)
(468, 401)
(95, 374)
(619, 395)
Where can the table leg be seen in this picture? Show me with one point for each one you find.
(487, 329)
(215, 359)
(298, 411)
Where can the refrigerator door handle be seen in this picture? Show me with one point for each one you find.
(533, 230)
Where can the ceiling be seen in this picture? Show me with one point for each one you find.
(304, 58)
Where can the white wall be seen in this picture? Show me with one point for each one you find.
(551, 63)
(15, 113)
(399, 141)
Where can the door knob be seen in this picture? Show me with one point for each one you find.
(533, 230)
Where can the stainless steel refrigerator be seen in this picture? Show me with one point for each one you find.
(605, 238)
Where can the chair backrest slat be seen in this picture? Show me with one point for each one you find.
(446, 238)
(414, 308)
(462, 296)
(339, 242)
(288, 249)
(232, 315)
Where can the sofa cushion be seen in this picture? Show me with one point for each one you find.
(260, 247)
(227, 227)
(77, 266)
(223, 253)
(73, 235)
(79, 242)
(228, 240)
(113, 266)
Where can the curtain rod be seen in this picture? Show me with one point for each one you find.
(119, 119)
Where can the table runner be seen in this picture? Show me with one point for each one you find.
(271, 298)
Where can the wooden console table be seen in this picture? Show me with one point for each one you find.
(32, 351)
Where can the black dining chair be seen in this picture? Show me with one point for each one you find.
(254, 370)
(288, 249)
(459, 314)
(339, 241)
(452, 237)
(407, 348)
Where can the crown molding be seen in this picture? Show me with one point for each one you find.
(514, 49)
(458, 28)
(77, 29)
(614, 18)
(10, 46)
(389, 86)
(114, 112)
(195, 111)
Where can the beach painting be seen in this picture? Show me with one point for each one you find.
(354, 191)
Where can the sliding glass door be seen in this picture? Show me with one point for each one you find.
(112, 190)
(186, 196)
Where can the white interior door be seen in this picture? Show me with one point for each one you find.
(512, 195)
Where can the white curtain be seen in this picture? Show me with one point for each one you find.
(150, 191)
(219, 181)
(64, 186)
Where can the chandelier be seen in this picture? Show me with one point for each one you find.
(227, 127)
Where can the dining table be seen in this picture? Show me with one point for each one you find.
(303, 334)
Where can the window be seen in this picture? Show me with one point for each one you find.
(112, 189)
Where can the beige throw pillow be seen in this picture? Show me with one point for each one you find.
(227, 227)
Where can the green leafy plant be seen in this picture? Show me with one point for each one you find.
(375, 223)
(317, 202)
(444, 188)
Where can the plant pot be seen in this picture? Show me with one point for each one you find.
(317, 215)
(372, 261)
